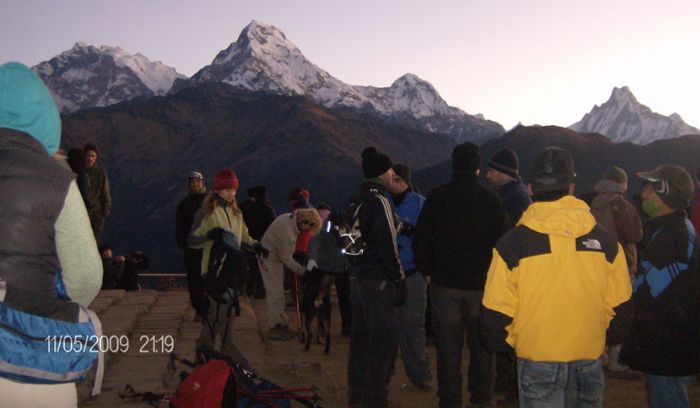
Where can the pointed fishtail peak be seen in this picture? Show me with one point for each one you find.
(623, 119)
(622, 96)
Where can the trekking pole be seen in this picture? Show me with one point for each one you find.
(297, 296)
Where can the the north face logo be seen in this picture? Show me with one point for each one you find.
(591, 243)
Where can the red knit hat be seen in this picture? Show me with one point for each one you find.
(225, 178)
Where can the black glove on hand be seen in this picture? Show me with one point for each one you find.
(216, 234)
(261, 250)
(406, 229)
(301, 257)
(400, 293)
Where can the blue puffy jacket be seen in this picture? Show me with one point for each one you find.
(408, 212)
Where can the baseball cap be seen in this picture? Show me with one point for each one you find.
(553, 170)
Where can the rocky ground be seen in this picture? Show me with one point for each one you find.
(151, 319)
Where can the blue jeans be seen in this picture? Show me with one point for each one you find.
(412, 329)
(576, 384)
(667, 391)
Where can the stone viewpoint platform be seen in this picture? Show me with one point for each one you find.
(148, 317)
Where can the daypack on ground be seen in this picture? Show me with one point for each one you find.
(220, 382)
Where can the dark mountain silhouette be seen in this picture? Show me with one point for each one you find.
(593, 154)
(148, 146)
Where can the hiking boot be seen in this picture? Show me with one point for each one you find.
(279, 332)
(626, 374)
(424, 386)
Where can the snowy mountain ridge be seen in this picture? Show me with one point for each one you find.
(263, 59)
(623, 119)
(86, 76)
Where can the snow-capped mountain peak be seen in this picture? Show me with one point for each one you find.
(263, 59)
(623, 119)
(86, 76)
(623, 96)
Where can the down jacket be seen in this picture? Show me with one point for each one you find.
(281, 236)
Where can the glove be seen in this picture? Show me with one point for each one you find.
(311, 265)
(216, 234)
(406, 229)
(261, 250)
(399, 293)
(301, 257)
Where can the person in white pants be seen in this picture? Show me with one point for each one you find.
(280, 238)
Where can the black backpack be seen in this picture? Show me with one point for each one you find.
(350, 236)
(227, 274)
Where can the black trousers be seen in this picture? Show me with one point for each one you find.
(342, 288)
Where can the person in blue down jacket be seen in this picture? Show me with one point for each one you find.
(408, 206)
(46, 233)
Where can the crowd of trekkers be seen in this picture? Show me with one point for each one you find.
(551, 293)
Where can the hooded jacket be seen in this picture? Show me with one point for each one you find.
(619, 217)
(553, 283)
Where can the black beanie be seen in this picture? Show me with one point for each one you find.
(506, 161)
(374, 164)
(466, 157)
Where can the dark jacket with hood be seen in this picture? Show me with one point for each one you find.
(664, 337)
(460, 223)
(380, 260)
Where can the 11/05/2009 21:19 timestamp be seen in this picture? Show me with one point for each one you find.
(147, 344)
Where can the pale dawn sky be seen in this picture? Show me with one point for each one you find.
(537, 62)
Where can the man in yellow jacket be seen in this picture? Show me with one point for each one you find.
(555, 283)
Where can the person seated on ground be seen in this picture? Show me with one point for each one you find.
(138, 261)
(113, 267)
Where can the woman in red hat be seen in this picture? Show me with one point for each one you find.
(220, 220)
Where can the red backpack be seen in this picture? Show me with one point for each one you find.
(212, 384)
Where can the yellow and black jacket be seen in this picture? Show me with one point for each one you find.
(553, 283)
